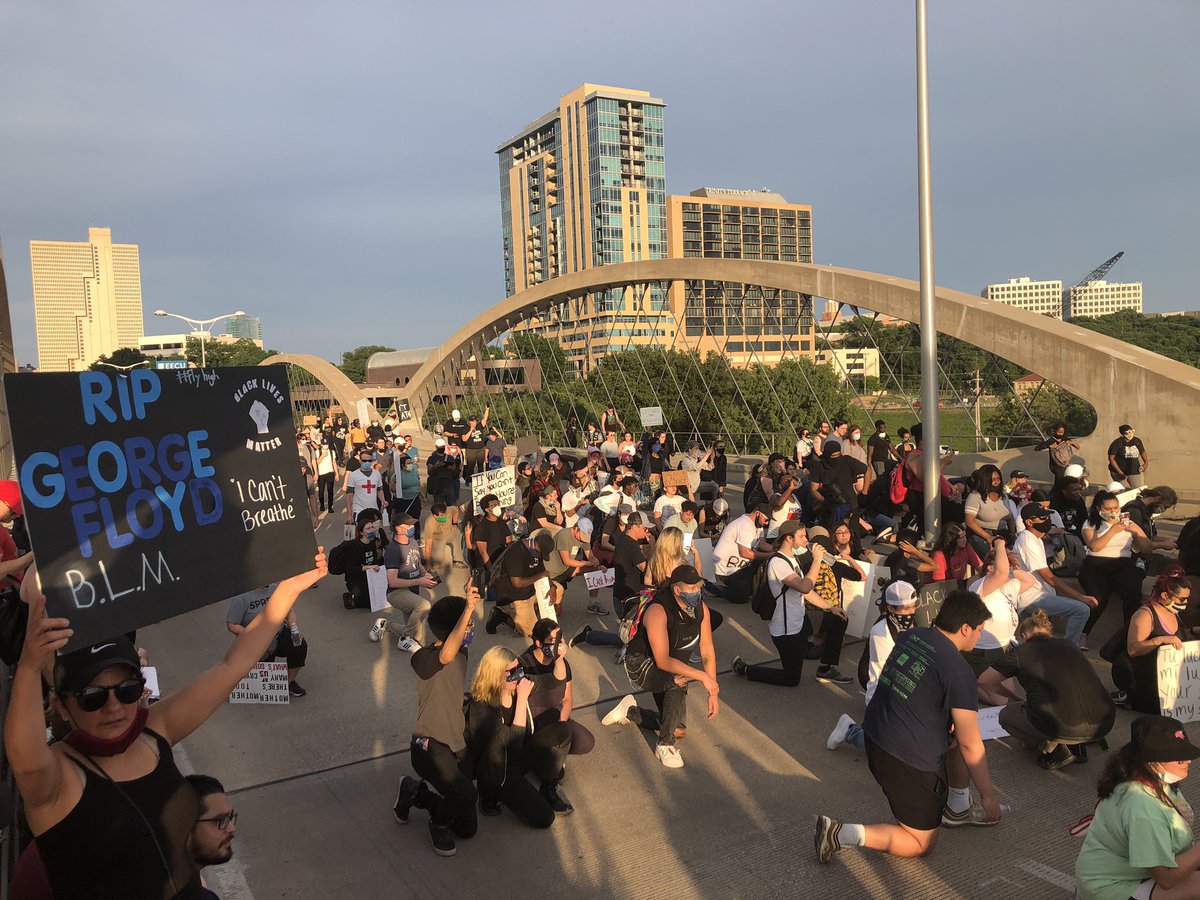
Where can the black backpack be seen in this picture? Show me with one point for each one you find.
(337, 558)
(762, 599)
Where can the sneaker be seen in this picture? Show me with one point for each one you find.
(1120, 698)
(377, 630)
(837, 737)
(493, 620)
(669, 756)
(738, 665)
(490, 809)
(830, 675)
(597, 610)
(973, 815)
(580, 636)
(1083, 645)
(295, 690)
(1060, 756)
(406, 796)
(825, 838)
(347, 600)
(619, 714)
(1079, 751)
(557, 801)
(408, 645)
(443, 840)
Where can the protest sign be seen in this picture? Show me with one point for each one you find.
(601, 579)
(1179, 681)
(676, 477)
(989, 723)
(931, 597)
(528, 445)
(364, 412)
(267, 682)
(502, 482)
(541, 592)
(150, 494)
(377, 588)
(651, 416)
(861, 599)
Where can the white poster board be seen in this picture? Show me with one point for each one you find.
(1179, 681)
(377, 588)
(502, 482)
(860, 599)
(703, 548)
(603, 578)
(989, 723)
(150, 673)
(267, 682)
(364, 413)
(541, 592)
(651, 416)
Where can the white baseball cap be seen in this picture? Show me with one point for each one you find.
(900, 593)
(1115, 487)
(1075, 470)
(585, 525)
(439, 443)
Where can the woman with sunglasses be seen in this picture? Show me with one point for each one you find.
(107, 804)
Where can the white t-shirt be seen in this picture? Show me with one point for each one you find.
(741, 532)
(665, 506)
(789, 611)
(325, 461)
(789, 510)
(1001, 628)
(364, 489)
(1032, 553)
(1121, 545)
(575, 499)
(881, 644)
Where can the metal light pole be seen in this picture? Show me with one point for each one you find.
(144, 362)
(202, 326)
(930, 433)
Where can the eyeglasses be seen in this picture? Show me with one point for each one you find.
(95, 696)
(222, 821)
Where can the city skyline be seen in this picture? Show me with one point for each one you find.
(273, 184)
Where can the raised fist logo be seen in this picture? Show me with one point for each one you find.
(259, 414)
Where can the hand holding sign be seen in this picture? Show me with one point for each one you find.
(44, 636)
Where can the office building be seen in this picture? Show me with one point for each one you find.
(8, 363)
(163, 345)
(1045, 297)
(87, 299)
(1101, 298)
(585, 186)
(747, 323)
(244, 328)
(853, 364)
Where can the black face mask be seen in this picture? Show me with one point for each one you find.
(902, 623)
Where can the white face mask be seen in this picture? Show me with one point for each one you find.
(1170, 777)
(883, 434)
(856, 436)
(1109, 516)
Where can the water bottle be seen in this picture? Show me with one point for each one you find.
(296, 639)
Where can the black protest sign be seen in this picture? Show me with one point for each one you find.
(151, 493)
(931, 597)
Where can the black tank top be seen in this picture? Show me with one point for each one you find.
(683, 631)
(102, 850)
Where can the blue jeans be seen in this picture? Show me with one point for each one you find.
(856, 736)
(1076, 612)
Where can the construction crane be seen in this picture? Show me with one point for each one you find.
(1097, 274)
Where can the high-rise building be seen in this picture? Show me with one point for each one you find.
(87, 299)
(8, 363)
(244, 328)
(584, 186)
(747, 323)
(1100, 298)
(1045, 297)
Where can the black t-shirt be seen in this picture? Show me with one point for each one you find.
(518, 562)
(656, 464)
(879, 449)
(476, 439)
(545, 703)
(903, 568)
(1063, 697)
(924, 678)
(374, 432)
(404, 558)
(840, 473)
(1073, 512)
(492, 533)
(627, 577)
(1129, 455)
(454, 432)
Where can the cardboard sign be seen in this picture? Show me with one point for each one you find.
(676, 477)
(309, 421)
(651, 416)
(1179, 681)
(861, 599)
(377, 588)
(528, 446)
(502, 482)
(150, 494)
(541, 592)
(989, 723)
(364, 412)
(603, 578)
(932, 595)
(267, 682)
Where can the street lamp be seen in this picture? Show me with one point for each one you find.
(202, 326)
(144, 362)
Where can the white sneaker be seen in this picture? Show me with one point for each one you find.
(837, 737)
(408, 645)
(669, 756)
(619, 714)
(377, 630)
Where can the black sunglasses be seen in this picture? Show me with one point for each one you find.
(94, 696)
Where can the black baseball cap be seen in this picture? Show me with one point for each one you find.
(764, 509)
(685, 575)
(1034, 511)
(75, 670)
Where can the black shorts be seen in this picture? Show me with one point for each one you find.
(564, 578)
(916, 798)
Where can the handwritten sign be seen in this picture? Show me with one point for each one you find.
(931, 597)
(651, 416)
(989, 723)
(528, 445)
(676, 477)
(364, 412)
(267, 682)
(1179, 681)
(541, 592)
(861, 599)
(151, 493)
(502, 482)
(377, 588)
(601, 579)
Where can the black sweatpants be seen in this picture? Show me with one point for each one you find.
(325, 484)
(1102, 577)
(450, 796)
(793, 650)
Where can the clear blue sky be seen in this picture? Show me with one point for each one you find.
(330, 167)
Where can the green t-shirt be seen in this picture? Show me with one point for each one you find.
(1131, 832)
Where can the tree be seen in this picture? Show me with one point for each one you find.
(1051, 405)
(354, 362)
(1176, 337)
(122, 357)
(527, 345)
(221, 354)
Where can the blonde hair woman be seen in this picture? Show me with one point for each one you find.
(668, 554)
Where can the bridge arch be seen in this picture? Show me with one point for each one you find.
(346, 392)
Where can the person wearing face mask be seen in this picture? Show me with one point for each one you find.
(289, 643)
(696, 462)
(474, 445)
(900, 608)
(442, 540)
(1127, 459)
(107, 805)
(1061, 450)
(518, 567)
(853, 446)
(407, 498)
(879, 450)
(495, 448)
(1051, 594)
(1139, 842)
(672, 625)
(327, 470)
(455, 429)
(716, 476)
(410, 587)
(1142, 511)
(1065, 705)
(353, 558)
(953, 556)
(1155, 624)
(363, 487)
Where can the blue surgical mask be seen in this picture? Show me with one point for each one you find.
(366, 466)
(409, 532)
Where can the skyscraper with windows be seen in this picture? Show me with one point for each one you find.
(244, 328)
(585, 186)
(87, 299)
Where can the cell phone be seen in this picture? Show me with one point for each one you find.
(1124, 517)
(479, 579)
(515, 675)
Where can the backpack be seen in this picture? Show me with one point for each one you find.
(632, 619)
(898, 489)
(1062, 455)
(762, 599)
(337, 558)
